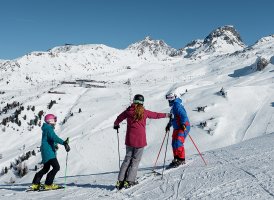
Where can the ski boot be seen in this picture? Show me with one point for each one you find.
(52, 187)
(176, 163)
(128, 184)
(119, 185)
(34, 187)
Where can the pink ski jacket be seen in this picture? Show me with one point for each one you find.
(136, 130)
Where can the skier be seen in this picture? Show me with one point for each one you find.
(48, 151)
(136, 116)
(181, 128)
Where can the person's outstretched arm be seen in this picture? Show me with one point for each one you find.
(156, 115)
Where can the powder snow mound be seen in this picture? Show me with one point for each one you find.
(223, 40)
(148, 46)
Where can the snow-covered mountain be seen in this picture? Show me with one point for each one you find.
(64, 62)
(267, 42)
(223, 40)
(87, 86)
(149, 47)
(190, 48)
(70, 61)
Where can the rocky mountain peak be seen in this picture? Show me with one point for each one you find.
(151, 46)
(222, 40)
(227, 33)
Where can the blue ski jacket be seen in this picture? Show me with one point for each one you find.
(179, 115)
(49, 140)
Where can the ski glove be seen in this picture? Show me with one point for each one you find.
(66, 145)
(168, 126)
(183, 127)
(116, 127)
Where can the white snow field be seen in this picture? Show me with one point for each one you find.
(237, 142)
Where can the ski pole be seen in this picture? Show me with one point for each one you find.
(197, 149)
(66, 170)
(159, 152)
(118, 147)
(165, 156)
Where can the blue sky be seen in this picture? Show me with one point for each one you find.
(38, 25)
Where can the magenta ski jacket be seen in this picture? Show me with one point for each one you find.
(136, 130)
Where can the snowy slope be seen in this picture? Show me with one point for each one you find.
(246, 112)
(242, 171)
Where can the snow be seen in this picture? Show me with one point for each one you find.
(237, 142)
(242, 171)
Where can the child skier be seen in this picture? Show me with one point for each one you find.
(48, 152)
(136, 116)
(181, 128)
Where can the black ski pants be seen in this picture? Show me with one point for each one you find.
(50, 176)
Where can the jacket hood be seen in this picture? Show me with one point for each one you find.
(178, 100)
(46, 126)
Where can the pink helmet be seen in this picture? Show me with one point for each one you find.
(48, 118)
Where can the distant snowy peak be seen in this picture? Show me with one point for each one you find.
(263, 47)
(1, 62)
(148, 46)
(265, 40)
(223, 40)
(191, 47)
(227, 34)
(69, 48)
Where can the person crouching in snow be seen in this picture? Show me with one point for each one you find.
(48, 152)
(136, 116)
(181, 128)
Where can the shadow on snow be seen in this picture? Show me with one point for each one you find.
(242, 72)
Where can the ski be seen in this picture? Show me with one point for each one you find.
(29, 189)
(43, 190)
